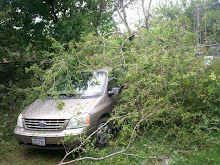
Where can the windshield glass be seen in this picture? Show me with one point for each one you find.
(85, 84)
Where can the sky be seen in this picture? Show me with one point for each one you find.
(135, 14)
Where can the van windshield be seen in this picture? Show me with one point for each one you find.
(85, 84)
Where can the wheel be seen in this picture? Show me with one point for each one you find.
(103, 134)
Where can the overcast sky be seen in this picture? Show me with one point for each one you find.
(135, 14)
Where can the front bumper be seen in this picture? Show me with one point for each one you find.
(53, 139)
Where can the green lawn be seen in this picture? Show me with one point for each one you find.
(11, 153)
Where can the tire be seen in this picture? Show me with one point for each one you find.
(104, 134)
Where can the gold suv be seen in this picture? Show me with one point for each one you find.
(44, 125)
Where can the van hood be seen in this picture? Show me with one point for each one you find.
(47, 109)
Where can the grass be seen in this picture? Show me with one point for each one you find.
(12, 153)
(205, 156)
(209, 156)
(147, 146)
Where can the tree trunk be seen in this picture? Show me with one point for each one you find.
(124, 16)
(146, 15)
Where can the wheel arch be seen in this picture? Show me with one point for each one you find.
(105, 115)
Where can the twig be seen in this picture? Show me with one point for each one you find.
(214, 128)
(80, 146)
(132, 138)
(139, 156)
(81, 51)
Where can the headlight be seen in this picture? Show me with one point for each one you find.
(19, 121)
(78, 121)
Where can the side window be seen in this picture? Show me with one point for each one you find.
(111, 82)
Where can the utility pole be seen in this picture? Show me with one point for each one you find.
(197, 23)
(205, 22)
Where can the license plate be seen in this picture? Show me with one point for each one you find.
(39, 141)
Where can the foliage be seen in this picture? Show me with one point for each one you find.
(28, 23)
(213, 17)
(209, 14)
(168, 91)
(168, 88)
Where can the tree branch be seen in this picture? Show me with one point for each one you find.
(124, 17)
(146, 15)
(132, 138)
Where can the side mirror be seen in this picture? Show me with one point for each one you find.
(113, 91)
(116, 89)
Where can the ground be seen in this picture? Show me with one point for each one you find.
(11, 154)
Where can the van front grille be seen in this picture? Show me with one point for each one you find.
(45, 124)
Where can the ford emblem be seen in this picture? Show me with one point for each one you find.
(42, 124)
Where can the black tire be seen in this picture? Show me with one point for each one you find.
(104, 134)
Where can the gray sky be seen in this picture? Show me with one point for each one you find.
(135, 14)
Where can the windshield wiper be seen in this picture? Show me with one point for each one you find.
(68, 95)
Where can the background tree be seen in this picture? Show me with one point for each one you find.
(209, 15)
(30, 22)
